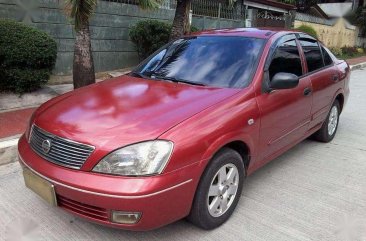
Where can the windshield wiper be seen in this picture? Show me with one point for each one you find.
(156, 75)
(138, 74)
(176, 80)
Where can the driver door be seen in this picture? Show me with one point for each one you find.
(285, 114)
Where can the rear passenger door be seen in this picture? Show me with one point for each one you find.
(323, 76)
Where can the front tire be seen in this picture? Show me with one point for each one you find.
(330, 125)
(219, 190)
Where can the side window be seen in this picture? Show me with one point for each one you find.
(314, 58)
(327, 59)
(286, 59)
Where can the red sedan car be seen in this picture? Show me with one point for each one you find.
(177, 136)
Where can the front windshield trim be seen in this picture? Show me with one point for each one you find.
(243, 84)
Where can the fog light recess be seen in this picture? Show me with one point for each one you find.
(125, 217)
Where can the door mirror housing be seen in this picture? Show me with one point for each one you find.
(284, 81)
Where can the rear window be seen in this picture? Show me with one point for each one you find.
(221, 61)
(313, 55)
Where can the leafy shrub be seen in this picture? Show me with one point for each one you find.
(308, 29)
(336, 51)
(150, 35)
(27, 57)
(349, 51)
(194, 29)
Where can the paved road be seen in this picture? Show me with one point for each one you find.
(313, 192)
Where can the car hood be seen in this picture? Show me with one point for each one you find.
(125, 110)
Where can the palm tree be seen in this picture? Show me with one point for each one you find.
(83, 67)
(181, 19)
(81, 11)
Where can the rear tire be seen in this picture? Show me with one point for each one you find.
(219, 190)
(330, 125)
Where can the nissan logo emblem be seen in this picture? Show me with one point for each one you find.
(46, 146)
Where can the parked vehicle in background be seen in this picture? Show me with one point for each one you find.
(177, 136)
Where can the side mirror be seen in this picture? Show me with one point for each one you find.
(284, 81)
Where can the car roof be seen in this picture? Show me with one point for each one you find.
(264, 33)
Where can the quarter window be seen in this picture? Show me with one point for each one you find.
(314, 58)
(327, 59)
(286, 59)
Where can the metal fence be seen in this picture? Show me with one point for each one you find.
(133, 2)
(210, 8)
(218, 9)
(167, 4)
(312, 19)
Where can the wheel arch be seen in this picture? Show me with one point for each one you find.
(339, 95)
(340, 98)
(242, 148)
(238, 145)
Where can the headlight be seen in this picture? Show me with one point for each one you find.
(145, 158)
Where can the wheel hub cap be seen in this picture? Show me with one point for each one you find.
(333, 120)
(223, 189)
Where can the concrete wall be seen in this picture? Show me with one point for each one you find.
(204, 22)
(335, 35)
(112, 48)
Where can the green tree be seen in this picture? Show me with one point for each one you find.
(308, 29)
(359, 19)
(289, 1)
(302, 5)
(80, 11)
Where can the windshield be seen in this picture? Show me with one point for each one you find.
(220, 61)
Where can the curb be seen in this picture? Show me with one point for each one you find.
(8, 149)
(358, 66)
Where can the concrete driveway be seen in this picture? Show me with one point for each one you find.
(313, 192)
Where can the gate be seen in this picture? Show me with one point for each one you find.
(268, 19)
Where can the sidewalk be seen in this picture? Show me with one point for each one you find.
(357, 63)
(358, 60)
(14, 122)
(15, 112)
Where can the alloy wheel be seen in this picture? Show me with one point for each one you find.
(223, 190)
(333, 120)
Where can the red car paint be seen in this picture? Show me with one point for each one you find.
(199, 120)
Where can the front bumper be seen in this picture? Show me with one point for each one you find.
(160, 199)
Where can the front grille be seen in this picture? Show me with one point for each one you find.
(83, 209)
(58, 150)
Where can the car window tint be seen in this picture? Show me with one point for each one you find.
(286, 59)
(312, 53)
(220, 61)
(327, 59)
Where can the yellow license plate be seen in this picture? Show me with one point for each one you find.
(40, 186)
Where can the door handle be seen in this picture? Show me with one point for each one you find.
(335, 78)
(307, 91)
